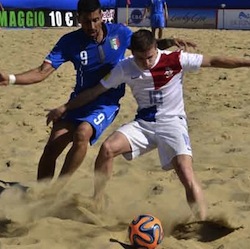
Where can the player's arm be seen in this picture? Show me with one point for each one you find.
(111, 80)
(81, 99)
(170, 42)
(224, 62)
(85, 97)
(29, 77)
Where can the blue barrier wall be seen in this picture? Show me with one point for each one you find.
(50, 4)
(71, 4)
(212, 4)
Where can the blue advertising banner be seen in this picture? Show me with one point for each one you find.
(192, 18)
(178, 18)
(209, 4)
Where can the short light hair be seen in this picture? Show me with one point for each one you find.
(142, 40)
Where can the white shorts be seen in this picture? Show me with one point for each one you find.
(170, 138)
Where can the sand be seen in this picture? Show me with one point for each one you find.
(57, 215)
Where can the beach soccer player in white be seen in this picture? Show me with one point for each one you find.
(156, 79)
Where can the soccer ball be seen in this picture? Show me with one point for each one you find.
(145, 231)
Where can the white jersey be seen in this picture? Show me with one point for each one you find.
(158, 91)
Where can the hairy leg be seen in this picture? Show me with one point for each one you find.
(77, 152)
(60, 137)
(194, 193)
(113, 146)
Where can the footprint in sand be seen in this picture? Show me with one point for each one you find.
(203, 231)
(15, 234)
(9, 229)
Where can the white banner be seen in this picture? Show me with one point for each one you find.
(132, 17)
(234, 19)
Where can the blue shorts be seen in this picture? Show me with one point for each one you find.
(98, 115)
(157, 21)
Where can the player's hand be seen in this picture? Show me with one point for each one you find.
(4, 79)
(55, 114)
(184, 44)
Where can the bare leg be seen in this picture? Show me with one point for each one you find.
(60, 137)
(153, 31)
(194, 194)
(160, 33)
(78, 151)
(113, 146)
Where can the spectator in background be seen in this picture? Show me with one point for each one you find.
(158, 15)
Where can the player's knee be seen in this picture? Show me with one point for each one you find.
(82, 136)
(107, 150)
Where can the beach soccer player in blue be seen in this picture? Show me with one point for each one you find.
(94, 49)
(158, 15)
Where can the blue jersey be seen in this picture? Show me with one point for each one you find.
(92, 61)
(156, 6)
